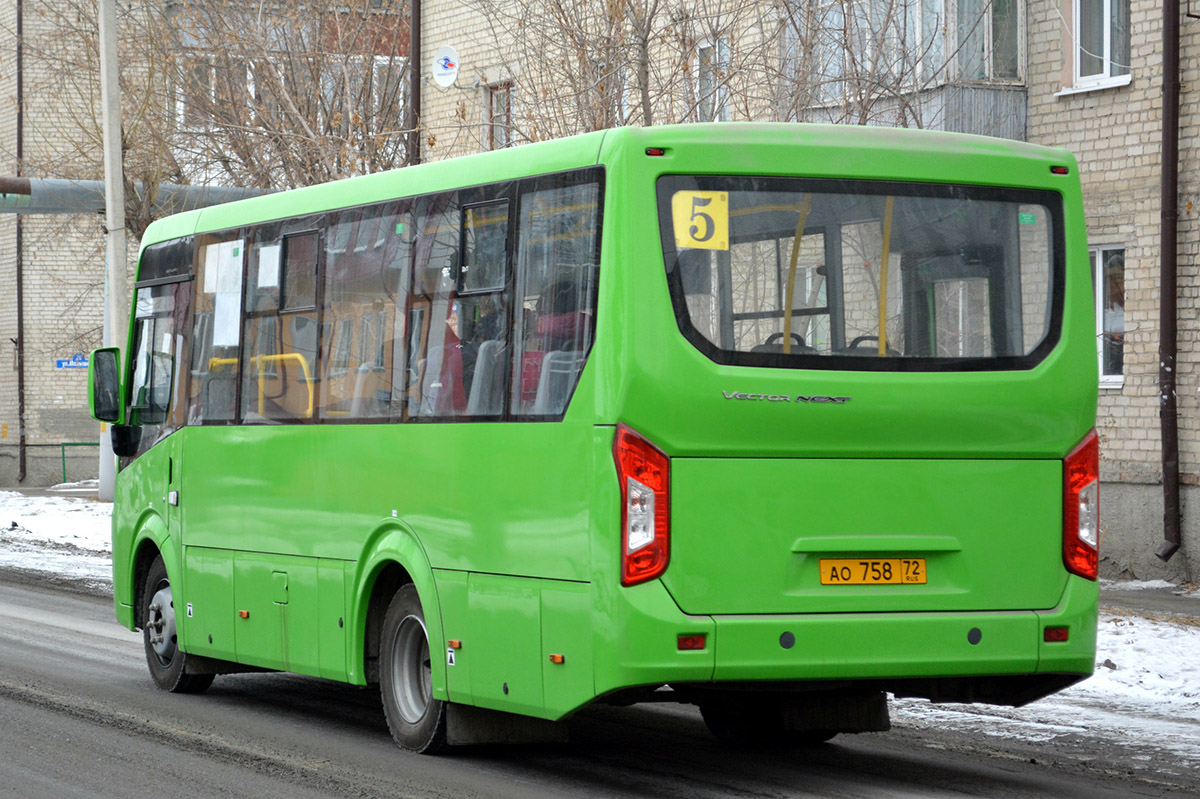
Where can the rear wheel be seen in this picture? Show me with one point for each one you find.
(167, 662)
(417, 721)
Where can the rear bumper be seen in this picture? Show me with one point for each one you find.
(925, 653)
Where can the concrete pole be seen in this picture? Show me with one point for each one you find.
(116, 292)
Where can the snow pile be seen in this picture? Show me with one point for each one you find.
(1143, 700)
(65, 537)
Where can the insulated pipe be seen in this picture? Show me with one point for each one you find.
(23, 195)
(1167, 347)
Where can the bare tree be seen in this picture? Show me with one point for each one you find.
(270, 95)
(284, 94)
(579, 65)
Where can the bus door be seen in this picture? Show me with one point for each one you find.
(156, 407)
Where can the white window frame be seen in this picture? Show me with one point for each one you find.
(1105, 78)
(717, 100)
(498, 132)
(1097, 256)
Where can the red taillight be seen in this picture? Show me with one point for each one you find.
(644, 473)
(1081, 508)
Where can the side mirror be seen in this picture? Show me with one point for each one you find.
(104, 379)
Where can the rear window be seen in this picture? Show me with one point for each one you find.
(866, 275)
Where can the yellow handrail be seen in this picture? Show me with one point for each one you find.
(259, 361)
(803, 209)
(883, 275)
(265, 359)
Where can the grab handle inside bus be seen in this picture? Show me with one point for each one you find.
(803, 209)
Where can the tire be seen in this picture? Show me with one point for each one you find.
(755, 724)
(167, 662)
(416, 720)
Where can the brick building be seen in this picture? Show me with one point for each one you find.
(996, 67)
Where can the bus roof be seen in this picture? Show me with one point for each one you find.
(845, 151)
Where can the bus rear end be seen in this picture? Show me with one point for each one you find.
(855, 438)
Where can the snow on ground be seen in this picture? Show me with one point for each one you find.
(65, 536)
(1144, 697)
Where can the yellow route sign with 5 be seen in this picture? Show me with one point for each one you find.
(701, 219)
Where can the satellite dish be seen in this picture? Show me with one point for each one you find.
(445, 66)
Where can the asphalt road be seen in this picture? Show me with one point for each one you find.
(79, 717)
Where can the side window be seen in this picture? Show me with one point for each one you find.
(483, 307)
(557, 253)
(216, 333)
(367, 264)
(158, 360)
(280, 343)
(1108, 271)
(436, 366)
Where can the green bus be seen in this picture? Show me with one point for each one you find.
(772, 419)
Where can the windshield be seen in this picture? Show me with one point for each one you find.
(863, 275)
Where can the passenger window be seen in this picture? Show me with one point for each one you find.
(216, 331)
(558, 237)
(438, 366)
(300, 271)
(280, 356)
(366, 280)
(484, 248)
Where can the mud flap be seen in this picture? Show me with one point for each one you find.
(466, 724)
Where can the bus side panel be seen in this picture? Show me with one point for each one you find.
(566, 631)
(210, 628)
(496, 497)
(507, 629)
(452, 598)
(504, 634)
(331, 613)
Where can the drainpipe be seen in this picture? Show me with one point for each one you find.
(414, 82)
(20, 243)
(1167, 282)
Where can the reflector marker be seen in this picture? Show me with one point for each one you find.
(454, 643)
(1056, 635)
(559, 659)
(245, 614)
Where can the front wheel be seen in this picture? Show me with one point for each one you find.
(167, 662)
(417, 721)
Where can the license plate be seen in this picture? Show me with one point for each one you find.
(872, 571)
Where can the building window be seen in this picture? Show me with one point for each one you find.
(1101, 42)
(498, 115)
(988, 39)
(1108, 274)
(712, 88)
(833, 49)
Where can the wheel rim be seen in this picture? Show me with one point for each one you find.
(160, 624)
(412, 674)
